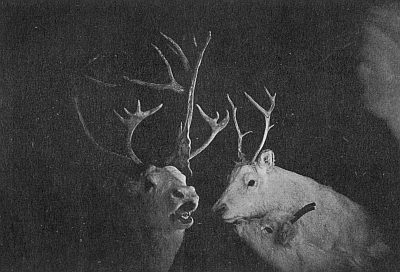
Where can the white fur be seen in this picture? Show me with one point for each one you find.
(338, 232)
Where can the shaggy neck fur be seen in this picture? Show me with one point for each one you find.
(162, 249)
(146, 248)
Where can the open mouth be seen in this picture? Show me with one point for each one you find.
(184, 213)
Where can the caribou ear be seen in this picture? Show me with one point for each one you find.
(285, 234)
(266, 160)
(150, 177)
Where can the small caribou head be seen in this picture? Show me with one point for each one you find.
(276, 228)
(249, 181)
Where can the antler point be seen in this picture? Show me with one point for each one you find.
(227, 113)
(230, 101)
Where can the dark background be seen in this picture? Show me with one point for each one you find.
(52, 208)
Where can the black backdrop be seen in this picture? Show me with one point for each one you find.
(305, 52)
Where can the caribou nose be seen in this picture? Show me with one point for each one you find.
(184, 193)
(219, 207)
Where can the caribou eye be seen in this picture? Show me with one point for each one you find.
(148, 185)
(268, 229)
(251, 182)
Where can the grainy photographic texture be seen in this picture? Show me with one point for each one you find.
(333, 65)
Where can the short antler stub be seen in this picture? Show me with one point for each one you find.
(307, 208)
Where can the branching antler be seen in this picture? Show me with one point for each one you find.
(267, 116)
(183, 155)
(172, 85)
(89, 135)
(133, 121)
(178, 50)
(215, 129)
(240, 134)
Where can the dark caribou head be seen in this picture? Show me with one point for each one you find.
(168, 202)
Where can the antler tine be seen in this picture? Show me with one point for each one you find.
(194, 41)
(132, 122)
(179, 51)
(173, 84)
(110, 85)
(267, 116)
(240, 134)
(215, 129)
(89, 135)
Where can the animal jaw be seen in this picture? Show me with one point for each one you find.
(182, 218)
(173, 202)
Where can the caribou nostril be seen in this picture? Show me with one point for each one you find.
(219, 208)
(188, 206)
(177, 194)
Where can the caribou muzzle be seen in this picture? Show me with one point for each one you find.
(189, 201)
(219, 208)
